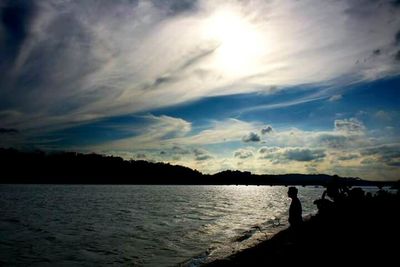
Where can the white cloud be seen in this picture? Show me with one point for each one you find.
(229, 130)
(149, 135)
(344, 150)
(80, 61)
(351, 125)
(335, 98)
(243, 153)
(123, 57)
(164, 132)
(284, 155)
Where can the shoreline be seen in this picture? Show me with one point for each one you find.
(249, 239)
(356, 231)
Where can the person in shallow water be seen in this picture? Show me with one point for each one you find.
(295, 210)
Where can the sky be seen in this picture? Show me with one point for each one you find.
(273, 87)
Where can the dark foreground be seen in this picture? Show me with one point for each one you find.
(355, 229)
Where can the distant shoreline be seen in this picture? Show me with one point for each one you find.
(39, 167)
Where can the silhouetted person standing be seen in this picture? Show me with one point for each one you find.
(295, 210)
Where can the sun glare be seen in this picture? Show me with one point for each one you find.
(240, 44)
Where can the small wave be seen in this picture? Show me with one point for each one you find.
(124, 211)
(197, 260)
(244, 236)
(249, 238)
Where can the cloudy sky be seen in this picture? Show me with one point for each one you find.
(303, 86)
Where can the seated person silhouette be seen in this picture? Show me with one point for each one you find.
(295, 210)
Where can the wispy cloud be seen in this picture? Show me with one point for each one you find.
(68, 62)
(335, 98)
(165, 132)
(243, 153)
(152, 132)
(108, 70)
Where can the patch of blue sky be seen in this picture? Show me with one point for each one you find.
(362, 101)
(206, 110)
(228, 147)
(366, 101)
(294, 107)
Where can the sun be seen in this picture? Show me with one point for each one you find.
(240, 45)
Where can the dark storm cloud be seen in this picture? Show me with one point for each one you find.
(388, 154)
(201, 154)
(304, 154)
(251, 137)
(267, 129)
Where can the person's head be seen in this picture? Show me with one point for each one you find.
(292, 192)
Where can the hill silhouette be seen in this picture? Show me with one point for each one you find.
(78, 168)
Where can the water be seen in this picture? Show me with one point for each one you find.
(89, 225)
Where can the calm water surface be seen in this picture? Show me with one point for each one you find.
(90, 225)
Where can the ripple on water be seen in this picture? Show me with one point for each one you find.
(136, 225)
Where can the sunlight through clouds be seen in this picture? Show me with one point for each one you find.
(220, 80)
(100, 60)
